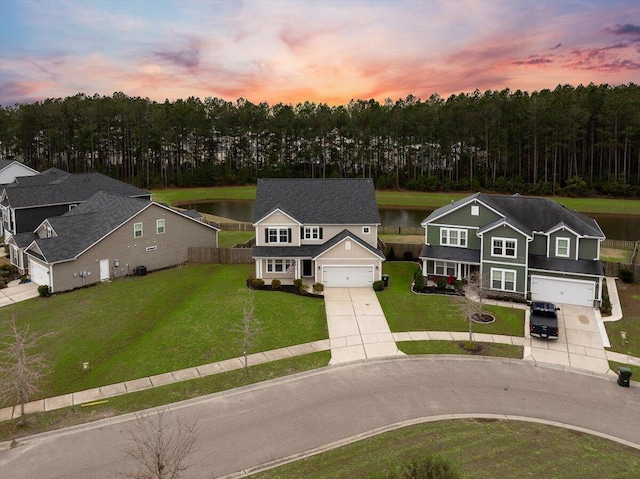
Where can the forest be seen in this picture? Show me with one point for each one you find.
(575, 141)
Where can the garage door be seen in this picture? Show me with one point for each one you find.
(351, 276)
(556, 290)
(39, 274)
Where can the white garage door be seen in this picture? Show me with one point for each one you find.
(351, 276)
(39, 274)
(555, 290)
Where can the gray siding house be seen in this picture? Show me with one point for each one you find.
(108, 236)
(321, 230)
(530, 247)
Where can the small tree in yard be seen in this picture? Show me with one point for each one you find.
(473, 297)
(160, 446)
(249, 328)
(20, 369)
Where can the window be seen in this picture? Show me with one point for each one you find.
(347, 245)
(160, 226)
(279, 265)
(312, 232)
(563, 246)
(475, 210)
(505, 247)
(503, 279)
(366, 230)
(72, 207)
(453, 237)
(278, 235)
(137, 230)
(442, 268)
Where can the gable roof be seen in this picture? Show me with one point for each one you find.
(528, 213)
(318, 201)
(58, 187)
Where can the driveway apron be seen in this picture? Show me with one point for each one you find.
(16, 292)
(357, 327)
(579, 344)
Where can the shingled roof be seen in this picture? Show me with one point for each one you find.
(55, 187)
(530, 213)
(86, 224)
(318, 201)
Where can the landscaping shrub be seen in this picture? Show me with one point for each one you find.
(3, 283)
(304, 288)
(276, 284)
(441, 283)
(297, 283)
(626, 275)
(318, 288)
(44, 290)
(408, 256)
(257, 283)
(392, 254)
(378, 285)
(419, 282)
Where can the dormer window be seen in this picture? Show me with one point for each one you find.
(563, 247)
(312, 232)
(475, 210)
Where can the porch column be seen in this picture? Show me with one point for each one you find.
(296, 269)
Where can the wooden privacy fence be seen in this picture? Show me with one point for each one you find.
(402, 250)
(235, 226)
(618, 244)
(221, 255)
(400, 230)
(613, 269)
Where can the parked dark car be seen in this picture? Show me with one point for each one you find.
(543, 322)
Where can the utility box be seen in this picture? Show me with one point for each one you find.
(140, 270)
(624, 376)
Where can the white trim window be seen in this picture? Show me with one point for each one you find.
(160, 226)
(137, 230)
(312, 232)
(278, 235)
(453, 237)
(366, 230)
(475, 210)
(563, 247)
(278, 265)
(444, 268)
(503, 279)
(504, 247)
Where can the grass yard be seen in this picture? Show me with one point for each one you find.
(476, 449)
(168, 320)
(616, 255)
(450, 347)
(411, 239)
(406, 311)
(630, 323)
(405, 198)
(226, 239)
(137, 401)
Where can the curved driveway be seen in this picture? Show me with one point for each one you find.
(254, 425)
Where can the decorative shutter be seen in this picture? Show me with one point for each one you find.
(289, 235)
(301, 232)
(266, 235)
(320, 233)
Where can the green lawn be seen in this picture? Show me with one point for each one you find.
(450, 347)
(406, 311)
(168, 320)
(630, 322)
(227, 239)
(476, 449)
(392, 198)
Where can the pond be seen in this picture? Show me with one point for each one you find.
(615, 226)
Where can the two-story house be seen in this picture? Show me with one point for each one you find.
(27, 201)
(109, 236)
(531, 247)
(318, 230)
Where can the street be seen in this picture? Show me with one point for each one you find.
(257, 424)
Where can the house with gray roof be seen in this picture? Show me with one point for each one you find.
(27, 201)
(109, 236)
(528, 247)
(319, 230)
(11, 169)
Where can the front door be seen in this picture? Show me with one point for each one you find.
(104, 269)
(307, 267)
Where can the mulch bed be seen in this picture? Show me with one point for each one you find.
(286, 288)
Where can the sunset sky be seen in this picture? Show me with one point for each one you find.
(322, 51)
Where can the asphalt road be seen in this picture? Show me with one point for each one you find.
(254, 425)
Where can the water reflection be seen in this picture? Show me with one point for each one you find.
(622, 227)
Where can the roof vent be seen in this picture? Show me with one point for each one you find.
(516, 195)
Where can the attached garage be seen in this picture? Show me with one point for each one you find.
(39, 273)
(562, 290)
(347, 276)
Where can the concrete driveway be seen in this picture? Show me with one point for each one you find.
(579, 345)
(16, 292)
(357, 326)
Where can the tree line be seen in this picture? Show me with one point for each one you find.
(570, 140)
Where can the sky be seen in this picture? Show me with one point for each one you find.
(319, 51)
